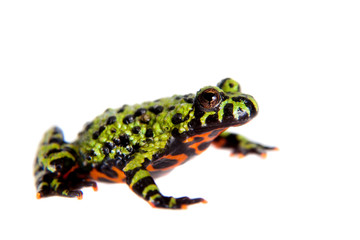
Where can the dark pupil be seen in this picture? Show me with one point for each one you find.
(209, 97)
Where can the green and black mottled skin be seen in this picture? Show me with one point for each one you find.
(134, 144)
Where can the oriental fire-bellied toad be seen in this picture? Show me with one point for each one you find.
(134, 144)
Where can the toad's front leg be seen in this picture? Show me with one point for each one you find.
(142, 183)
(240, 145)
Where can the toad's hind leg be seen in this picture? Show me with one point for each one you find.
(56, 167)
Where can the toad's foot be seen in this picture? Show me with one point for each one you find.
(49, 185)
(160, 201)
(142, 183)
(240, 145)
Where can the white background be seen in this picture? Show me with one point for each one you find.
(64, 62)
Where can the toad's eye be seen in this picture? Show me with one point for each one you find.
(209, 98)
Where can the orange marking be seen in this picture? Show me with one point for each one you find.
(195, 146)
(184, 206)
(180, 158)
(205, 137)
(239, 155)
(263, 155)
(70, 171)
(150, 168)
(190, 139)
(80, 197)
(95, 174)
(38, 195)
(220, 143)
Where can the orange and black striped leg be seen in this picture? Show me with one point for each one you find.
(141, 182)
(240, 145)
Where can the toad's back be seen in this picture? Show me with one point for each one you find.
(112, 139)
